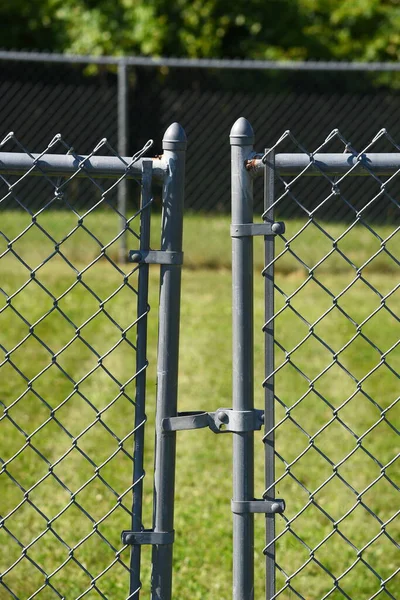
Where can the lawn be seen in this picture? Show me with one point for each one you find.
(65, 416)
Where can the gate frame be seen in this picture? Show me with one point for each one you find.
(246, 165)
(170, 170)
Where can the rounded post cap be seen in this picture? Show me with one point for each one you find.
(174, 138)
(242, 133)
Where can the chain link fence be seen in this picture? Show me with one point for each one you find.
(74, 327)
(43, 93)
(339, 470)
(73, 324)
(332, 335)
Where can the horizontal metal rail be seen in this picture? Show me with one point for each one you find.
(330, 164)
(59, 165)
(201, 63)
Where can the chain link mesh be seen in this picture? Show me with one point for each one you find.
(69, 371)
(336, 380)
(68, 327)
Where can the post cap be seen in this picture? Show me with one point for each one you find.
(242, 133)
(174, 138)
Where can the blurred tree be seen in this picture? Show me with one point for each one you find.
(31, 25)
(272, 29)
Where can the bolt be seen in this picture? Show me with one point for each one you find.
(135, 257)
(278, 227)
(223, 417)
(278, 507)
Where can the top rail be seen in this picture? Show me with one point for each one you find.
(60, 165)
(201, 63)
(330, 164)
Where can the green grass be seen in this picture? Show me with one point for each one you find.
(202, 554)
(207, 243)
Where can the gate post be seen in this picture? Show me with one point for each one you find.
(242, 139)
(269, 390)
(174, 146)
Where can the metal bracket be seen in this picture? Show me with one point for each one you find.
(186, 420)
(238, 421)
(156, 257)
(224, 420)
(147, 536)
(251, 229)
(241, 507)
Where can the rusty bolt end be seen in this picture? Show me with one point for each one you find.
(250, 164)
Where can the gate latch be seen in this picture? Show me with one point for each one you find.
(223, 420)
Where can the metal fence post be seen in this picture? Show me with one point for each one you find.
(269, 390)
(242, 139)
(174, 146)
(123, 151)
(141, 370)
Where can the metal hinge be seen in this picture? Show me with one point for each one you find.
(147, 536)
(251, 229)
(241, 507)
(223, 420)
(156, 257)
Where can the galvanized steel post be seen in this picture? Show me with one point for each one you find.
(242, 139)
(269, 390)
(141, 370)
(174, 146)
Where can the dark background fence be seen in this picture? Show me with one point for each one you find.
(82, 100)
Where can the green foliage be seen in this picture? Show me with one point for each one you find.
(31, 24)
(363, 30)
